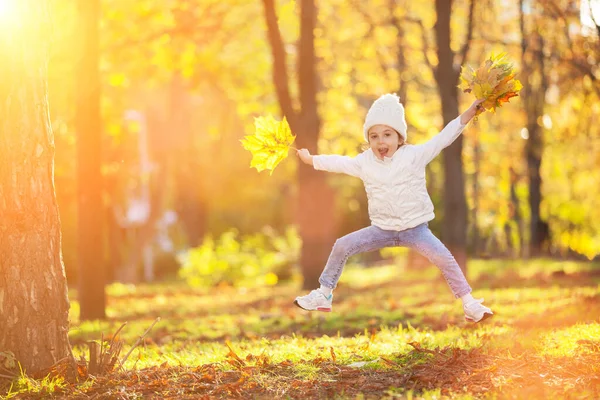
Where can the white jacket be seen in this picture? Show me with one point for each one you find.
(395, 186)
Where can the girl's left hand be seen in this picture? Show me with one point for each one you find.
(472, 111)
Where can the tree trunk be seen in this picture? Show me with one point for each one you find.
(191, 210)
(475, 239)
(116, 237)
(316, 198)
(515, 212)
(33, 289)
(454, 230)
(414, 259)
(315, 220)
(534, 94)
(400, 52)
(90, 223)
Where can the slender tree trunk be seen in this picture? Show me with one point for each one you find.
(192, 211)
(534, 93)
(400, 52)
(516, 214)
(414, 259)
(316, 199)
(534, 149)
(90, 224)
(33, 289)
(454, 230)
(475, 239)
(116, 237)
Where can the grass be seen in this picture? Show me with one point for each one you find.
(394, 333)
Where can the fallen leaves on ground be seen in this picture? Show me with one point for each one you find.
(452, 370)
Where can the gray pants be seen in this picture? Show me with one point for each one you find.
(419, 238)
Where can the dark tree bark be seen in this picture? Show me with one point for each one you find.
(515, 212)
(33, 289)
(400, 52)
(475, 234)
(447, 72)
(90, 226)
(534, 93)
(315, 199)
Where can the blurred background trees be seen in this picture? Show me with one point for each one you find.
(181, 81)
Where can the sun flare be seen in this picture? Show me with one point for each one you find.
(6, 8)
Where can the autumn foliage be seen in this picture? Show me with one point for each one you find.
(270, 143)
(494, 80)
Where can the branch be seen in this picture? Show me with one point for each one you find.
(554, 10)
(372, 25)
(464, 51)
(586, 70)
(557, 13)
(400, 52)
(425, 47)
(505, 43)
(306, 62)
(522, 29)
(280, 74)
(138, 341)
(112, 341)
(593, 18)
(572, 60)
(187, 23)
(541, 60)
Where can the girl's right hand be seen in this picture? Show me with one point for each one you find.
(305, 156)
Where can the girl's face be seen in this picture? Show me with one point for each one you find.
(384, 141)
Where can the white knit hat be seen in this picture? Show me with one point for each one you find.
(386, 110)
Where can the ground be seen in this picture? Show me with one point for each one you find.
(393, 333)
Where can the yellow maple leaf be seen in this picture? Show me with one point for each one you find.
(482, 73)
(482, 90)
(466, 76)
(270, 143)
(494, 77)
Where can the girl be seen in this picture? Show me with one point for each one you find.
(393, 173)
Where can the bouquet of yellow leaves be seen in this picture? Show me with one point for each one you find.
(270, 143)
(493, 81)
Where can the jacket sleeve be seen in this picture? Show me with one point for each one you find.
(429, 150)
(341, 164)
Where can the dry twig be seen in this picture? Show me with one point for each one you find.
(139, 341)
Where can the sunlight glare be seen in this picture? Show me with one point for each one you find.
(590, 11)
(6, 9)
(11, 20)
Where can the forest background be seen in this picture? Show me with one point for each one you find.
(148, 100)
(192, 76)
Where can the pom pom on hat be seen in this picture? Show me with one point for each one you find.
(386, 110)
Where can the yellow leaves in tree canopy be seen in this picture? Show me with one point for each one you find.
(493, 81)
(269, 144)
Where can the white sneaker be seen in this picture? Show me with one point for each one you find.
(476, 312)
(314, 301)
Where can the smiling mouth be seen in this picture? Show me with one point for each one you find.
(383, 152)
